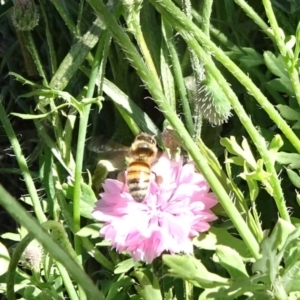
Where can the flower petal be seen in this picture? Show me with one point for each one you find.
(172, 213)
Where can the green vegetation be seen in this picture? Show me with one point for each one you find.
(222, 77)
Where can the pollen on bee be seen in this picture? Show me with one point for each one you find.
(159, 179)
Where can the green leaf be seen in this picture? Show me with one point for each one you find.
(276, 144)
(11, 236)
(166, 74)
(23, 80)
(232, 262)
(296, 125)
(292, 160)
(244, 152)
(77, 54)
(124, 266)
(124, 103)
(37, 116)
(250, 57)
(290, 42)
(4, 259)
(191, 269)
(115, 288)
(220, 236)
(87, 198)
(91, 230)
(294, 178)
(291, 278)
(252, 186)
(238, 288)
(275, 64)
(237, 160)
(281, 233)
(288, 113)
(281, 85)
(232, 146)
(146, 289)
(270, 261)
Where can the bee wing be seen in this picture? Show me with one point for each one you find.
(109, 152)
(100, 144)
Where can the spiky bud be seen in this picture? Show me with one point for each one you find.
(215, 106)
(25, 15)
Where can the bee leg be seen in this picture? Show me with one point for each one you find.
(158, 179)
(122, 178)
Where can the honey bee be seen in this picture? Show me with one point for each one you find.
(142, 154)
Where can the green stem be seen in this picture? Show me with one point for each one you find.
(188, 290)
(165, 6)
(35, 56)
(97, 255)
(198, 70)
(288, 57)
(89, 247)
(13, 264)
(52, 53)
(51, 144)
(179, 79)
(83, 124)
(56, 251)
(277, 32)
(259, 141)
(206, 14)
(77, 54)
(65, 16)
(255, 17)
(223, 39)
(137, 62)
(79, 17)
(22, 165)
(133, 23)
(67, 281)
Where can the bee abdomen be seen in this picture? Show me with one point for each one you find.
(138, 178)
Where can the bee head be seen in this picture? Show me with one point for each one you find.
(147, 138)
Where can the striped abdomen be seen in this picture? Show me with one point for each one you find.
(138, 178)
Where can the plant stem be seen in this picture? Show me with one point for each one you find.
(65, 16)
(171, 115)
(22, 165)
(190, 28)
(188, 290)
(206, 13)
(178, 76)
(198, 70)
(259, 141)
(255, 17)
(277, 32)
(288, 56)
(134, 26)
(13, 264)
(67, 281)
(41, 235)
(35, 56)
(83, 124)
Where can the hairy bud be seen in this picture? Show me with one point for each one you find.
(215, 106)
(25, 15)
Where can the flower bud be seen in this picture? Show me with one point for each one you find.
(25, 15)
(215, 106)
(32, 256)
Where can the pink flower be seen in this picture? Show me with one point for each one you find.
(171, 214)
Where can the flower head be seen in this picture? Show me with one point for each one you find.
(172, 213)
